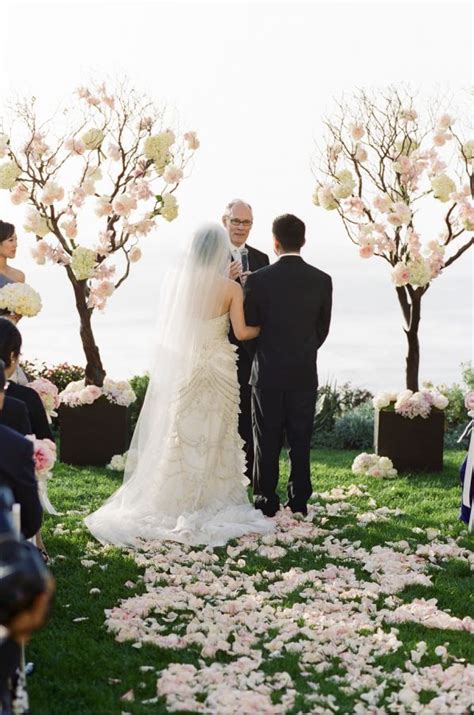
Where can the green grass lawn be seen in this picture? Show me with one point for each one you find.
(81, 669)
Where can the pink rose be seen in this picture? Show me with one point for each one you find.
(44, 455)
(469, 401)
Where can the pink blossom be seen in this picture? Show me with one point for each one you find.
(135, 254)
(70, 228)
(113, 152)
(444, 122)
(141, 190)
(382, 203)
(44, 456)
(52, 192)
(400, 274)
(19, 195)
(78, 196)
(76, 146)
(103, 207)
(172, 174)
(366, 251)
(192, 140)
(357, 132)
(123, 204)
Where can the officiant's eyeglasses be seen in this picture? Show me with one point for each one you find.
(237, 222)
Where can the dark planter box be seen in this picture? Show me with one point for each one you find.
(92, 434)
(412, 444)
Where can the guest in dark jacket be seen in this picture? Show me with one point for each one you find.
(17, 472)
(15, 415)
(10, 347)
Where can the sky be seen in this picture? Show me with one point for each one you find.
(254, 80)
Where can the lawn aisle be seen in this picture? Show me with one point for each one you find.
(301, 623)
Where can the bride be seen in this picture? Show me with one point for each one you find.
(185, 473)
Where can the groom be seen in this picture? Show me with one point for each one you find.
(238, 220)
(291, 301)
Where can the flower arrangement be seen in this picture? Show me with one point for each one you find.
(411, 404)
(20, 299)
(49, 394)
(44, 457)
(117, 463)
(383, 165)
(77, 393)
(112, 153)
(372, 465)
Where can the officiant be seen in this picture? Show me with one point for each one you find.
(245, 259)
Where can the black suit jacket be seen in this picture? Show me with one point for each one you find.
(245, 349)
(291, 301)
(17, 471)
(37, 414)
(15, 415)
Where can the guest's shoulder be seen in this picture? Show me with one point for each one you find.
(12, 441)
(23, 392)
(17, 275)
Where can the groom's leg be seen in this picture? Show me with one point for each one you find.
(267, 420)
(299, 416)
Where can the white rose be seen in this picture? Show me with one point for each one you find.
(93, 138)
(9, 173)
(326, 198)
(439, 401)
(381, 400)
(169, 209)
(346, 185)
(442, 186)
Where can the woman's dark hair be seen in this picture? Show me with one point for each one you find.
(6, 231)
(2, 376)
(289, 231)
(10, 341)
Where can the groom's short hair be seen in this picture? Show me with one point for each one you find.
(289, 230)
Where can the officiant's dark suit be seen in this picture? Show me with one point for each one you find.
(245, 350)
(291, 301)
(238, 221)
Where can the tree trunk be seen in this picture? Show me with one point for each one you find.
(95, 372)
(410, 302)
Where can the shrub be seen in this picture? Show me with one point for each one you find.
(355, 429)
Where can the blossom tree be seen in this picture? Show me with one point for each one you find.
(100, 161)
(382, 167)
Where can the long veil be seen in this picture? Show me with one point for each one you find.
(192, 291)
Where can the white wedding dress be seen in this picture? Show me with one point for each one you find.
(196, 491)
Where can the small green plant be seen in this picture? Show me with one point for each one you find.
(139, 385)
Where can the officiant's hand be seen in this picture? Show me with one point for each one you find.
(235, 270)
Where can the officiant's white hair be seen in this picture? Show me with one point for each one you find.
(235, 202)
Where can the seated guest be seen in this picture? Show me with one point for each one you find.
(10, 347)
(17, 471)
(26, 587)
(15, 414)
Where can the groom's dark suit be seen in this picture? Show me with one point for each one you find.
(291, 301)
(257, 260)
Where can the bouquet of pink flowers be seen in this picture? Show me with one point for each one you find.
(49, 394)
(411, 404)
(44, 457)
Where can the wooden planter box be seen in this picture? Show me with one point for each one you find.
(412, 444)
(92, 434)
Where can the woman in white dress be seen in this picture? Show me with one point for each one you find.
(185, 474)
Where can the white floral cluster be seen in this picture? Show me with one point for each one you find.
(372, 465)
(83, 262)
(411, 404)
(77, 393)
(20, 299)
(118, 462)
(9, 173)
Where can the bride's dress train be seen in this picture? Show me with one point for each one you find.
(196, 492)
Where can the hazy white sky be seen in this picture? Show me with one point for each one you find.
(253, 79)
